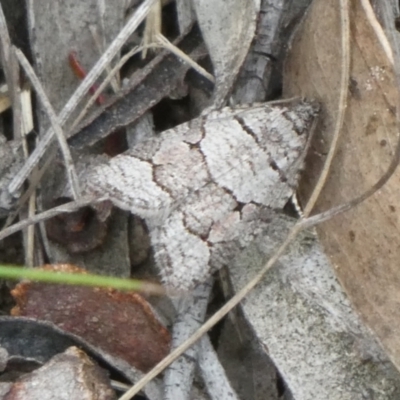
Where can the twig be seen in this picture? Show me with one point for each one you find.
(65, 208)
(101, 45)
(27, 212)
(81, 91)
(370, 14)
(28, 238)
(30, 233)
(164, 42)
(344, 84)
(292, 234)
(102, 86)
(69, 163)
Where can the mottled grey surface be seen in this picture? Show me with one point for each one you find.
(203, 186)
(305, 322)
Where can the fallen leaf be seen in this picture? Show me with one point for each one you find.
(69, 375)
(362, 243)
(32, 342)
(80, 231)
(228, 28)
(121, 323)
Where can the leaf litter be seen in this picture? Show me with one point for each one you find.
(226, 308)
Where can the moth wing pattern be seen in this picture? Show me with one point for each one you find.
(200, 186)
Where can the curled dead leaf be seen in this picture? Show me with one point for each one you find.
(121, 323)
(80, 231)
(71, 373)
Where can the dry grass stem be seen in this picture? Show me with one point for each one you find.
(103, 84)
(164, 42)
(152, 28)
(65, 208)
(68, 161)
(30, 233)
(100, 45)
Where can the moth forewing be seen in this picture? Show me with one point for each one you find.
(202, 184)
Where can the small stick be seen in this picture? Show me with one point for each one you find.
(101, 87)
(30, 233)
(152, 27)
(164, 42)
(101, 45)
(65, 208)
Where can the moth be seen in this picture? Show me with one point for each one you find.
(205, 188)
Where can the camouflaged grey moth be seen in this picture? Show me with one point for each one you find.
(204, 186)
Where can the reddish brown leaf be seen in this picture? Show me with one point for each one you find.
(121, 323)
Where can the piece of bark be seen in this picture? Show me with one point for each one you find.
(213, 374)
(11, 160)
(185, 14)
(80, 231)
(260, 75)
(249, 368)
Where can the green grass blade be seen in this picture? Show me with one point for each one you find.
(34, 274)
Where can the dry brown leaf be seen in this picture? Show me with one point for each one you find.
(121, 323)
(362, 243)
